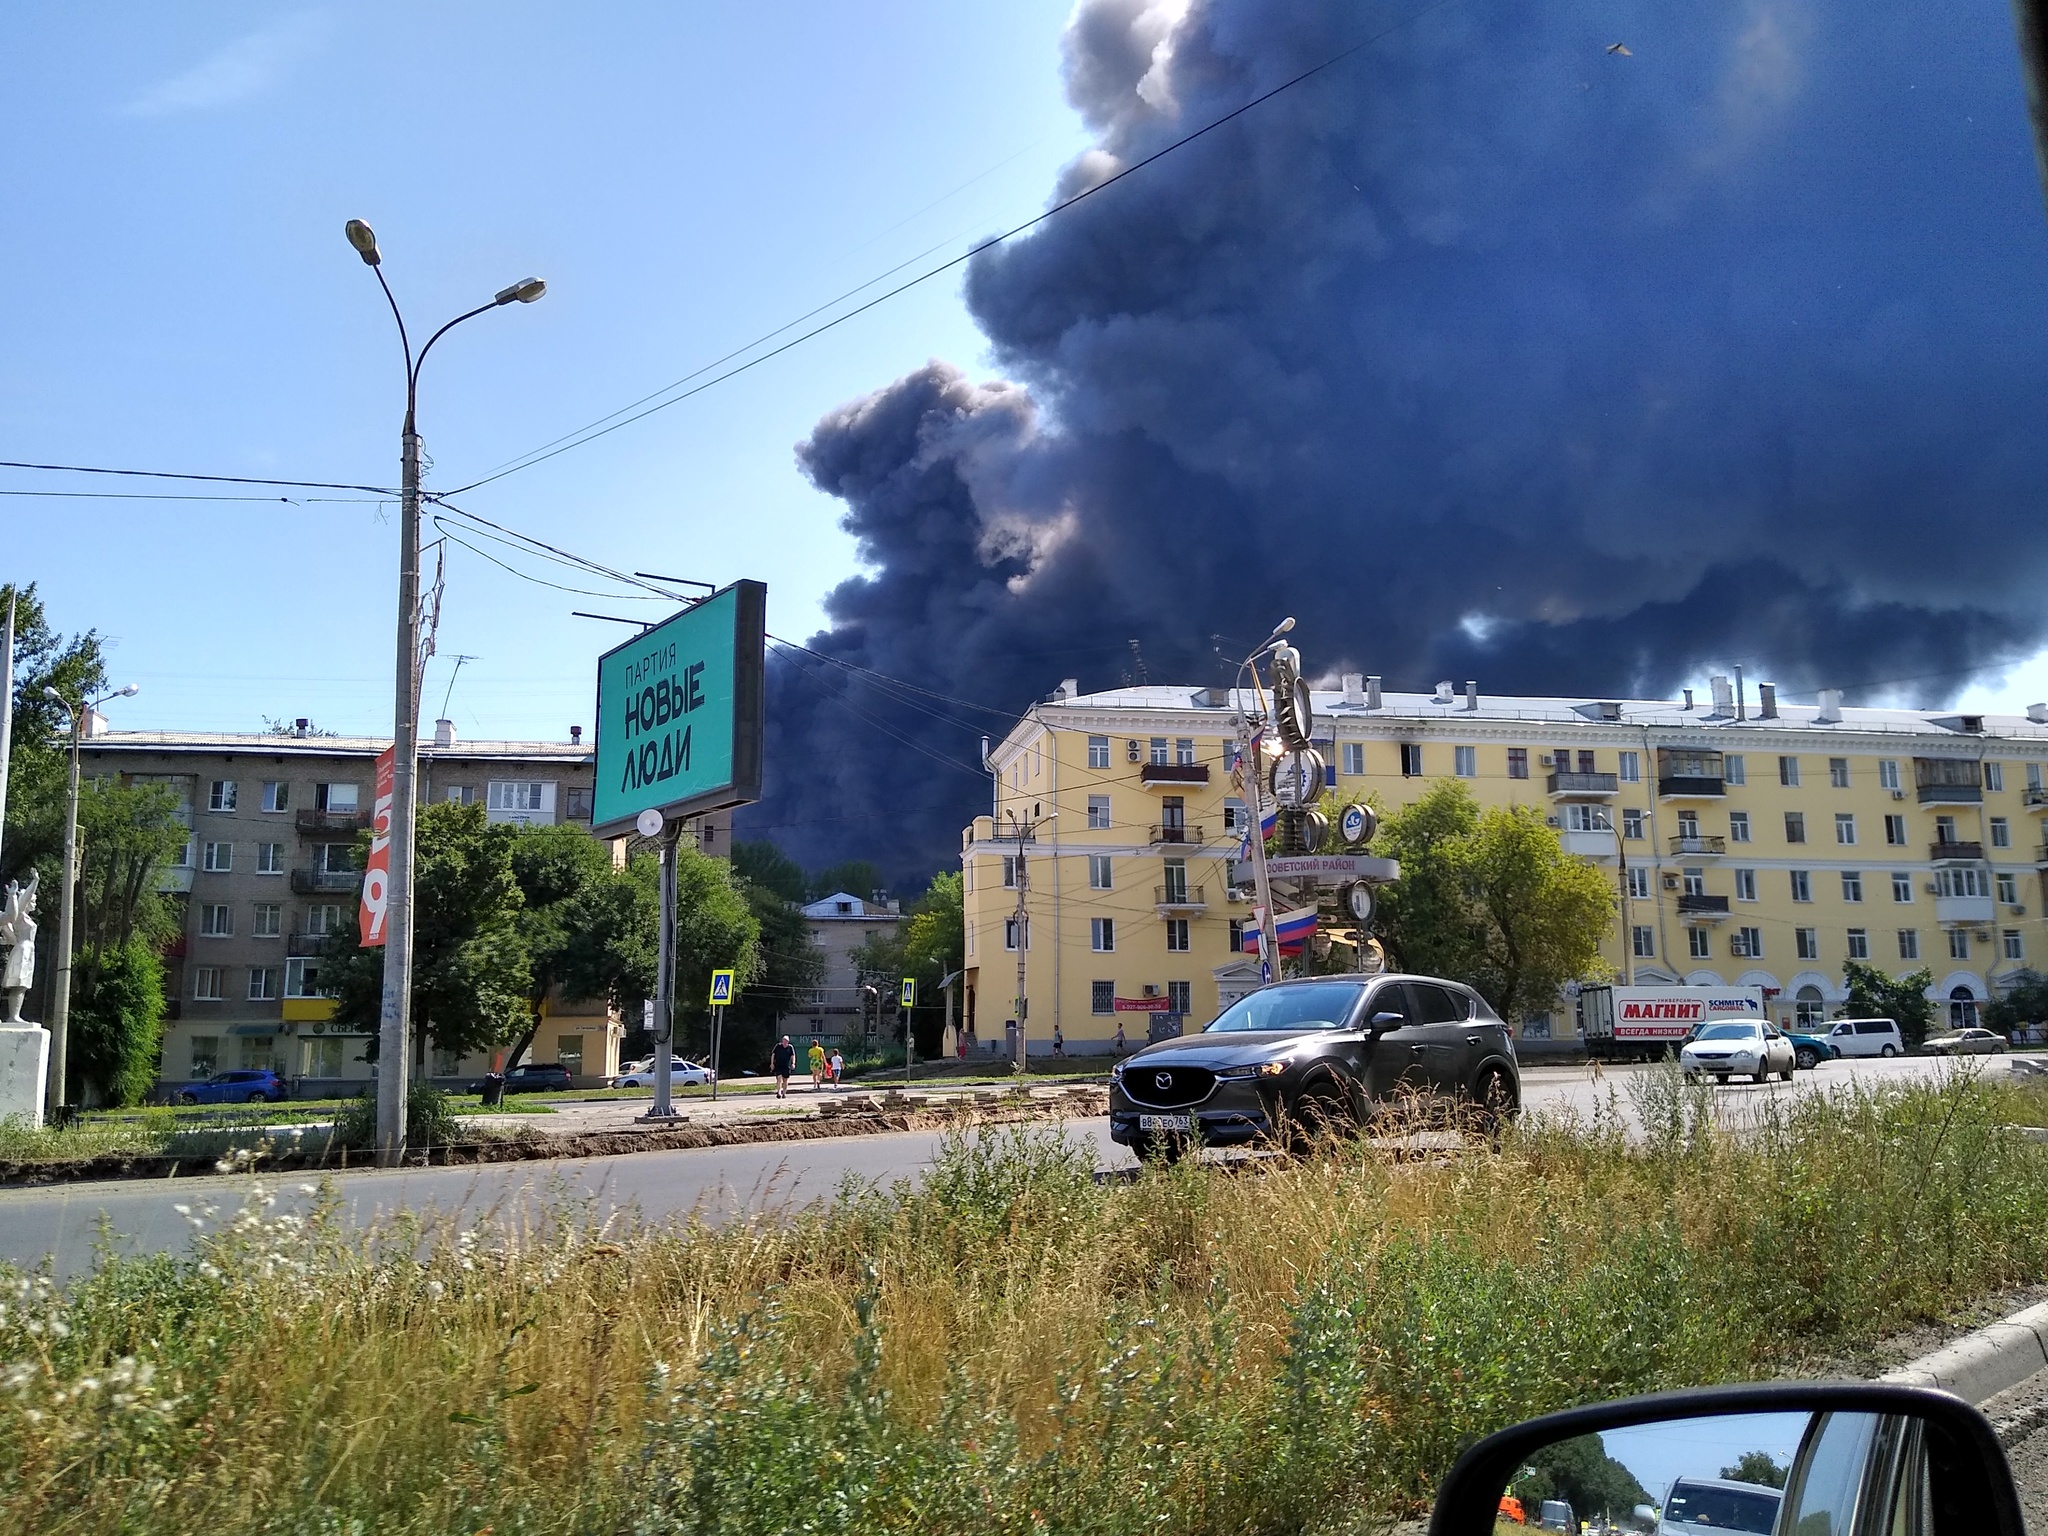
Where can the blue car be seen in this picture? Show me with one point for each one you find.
(247, 1087)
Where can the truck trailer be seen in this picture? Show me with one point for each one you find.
(1647, 1023)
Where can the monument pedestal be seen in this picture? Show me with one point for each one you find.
(24, 1071)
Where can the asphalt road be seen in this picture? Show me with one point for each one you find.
(2021, 1416)
(63, 1224)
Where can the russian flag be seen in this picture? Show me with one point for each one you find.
(1293, 930)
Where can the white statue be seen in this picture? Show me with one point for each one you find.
(18, 930)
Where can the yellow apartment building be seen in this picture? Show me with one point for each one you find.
(1750, 843)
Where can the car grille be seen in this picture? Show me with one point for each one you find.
(1167, 1087)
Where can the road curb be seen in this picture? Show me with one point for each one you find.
(1980, 1365)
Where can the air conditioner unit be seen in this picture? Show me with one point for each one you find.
(1131, 752)
(2017, 911)
(1550, 821)
(1671, 882)
(1547, 760)
(1232, 893)
(1933, 889)
(1898, 794)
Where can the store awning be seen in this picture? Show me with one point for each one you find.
(255, 1029)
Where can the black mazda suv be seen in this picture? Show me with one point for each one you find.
(1297, 1058)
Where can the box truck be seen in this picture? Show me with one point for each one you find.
(1644, 1023)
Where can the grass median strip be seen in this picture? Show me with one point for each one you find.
(1011, 1345)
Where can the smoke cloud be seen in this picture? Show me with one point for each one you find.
(1488, 352)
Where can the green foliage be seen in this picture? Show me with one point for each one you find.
(589, 930)
(429, 1118)
(856, 877)
(791, 965)
(1580, 1470)
(38, 770)
(715, 929)
(1903, 1000)
(1755, 1467)
(117, 1012)
(767, 866)
(1491, 898)
(2025, 1002)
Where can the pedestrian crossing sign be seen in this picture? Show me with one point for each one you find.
(910, 992)
(721, 988)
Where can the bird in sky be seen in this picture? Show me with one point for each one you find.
(1620, 48)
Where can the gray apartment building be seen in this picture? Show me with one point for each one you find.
(269, 872)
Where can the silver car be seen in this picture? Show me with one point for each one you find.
(1727, 1047)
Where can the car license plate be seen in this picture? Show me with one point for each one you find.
(1166, 1122)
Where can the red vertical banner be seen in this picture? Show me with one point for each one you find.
(377, 872)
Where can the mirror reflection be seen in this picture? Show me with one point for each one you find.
(1770, 1474)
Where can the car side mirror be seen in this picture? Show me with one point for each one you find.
(1787, 1456)
(1387, 1019)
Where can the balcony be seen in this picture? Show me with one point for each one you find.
(1685, 845)
(1952, 852)
(1588, 842)
(306, 946)
(1691, 786)
(311, 882)
(2036, 799)
(321, 822)
(1951, 794)
(1964, 911)
(1563, 783)
(1179, 898)
(1176, 834)
(1172, 774)
(1708, 908)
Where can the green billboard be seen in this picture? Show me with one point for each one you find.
(680, 713)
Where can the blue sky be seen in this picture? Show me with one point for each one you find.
(684, 178)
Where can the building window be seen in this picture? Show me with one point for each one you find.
(182, 859)
(219, 858)
(1795, 826)
(1802, 890)
(1580, 817)
(1859, 944)
(1887, 774)
(1518, 762)
(2001, 832)
(1699, 943)
(270, 858)
(1233, 815)
(266, 920)
(1184, 751)
(1236, 935)
(1807, 940)
(1102, 997)
(1631, 768)
(1689, 825)
(1643, 940)
(1749, 943)
(1838, 772)
(1102, 935)
(1738, 826)
(1465, 762)
(1639, 882)
(335, 858)
(2014, 950)
(1695, 882)
(1788, 771)
(1098, 813)
(221, 797)
(1902, 886)
(206, 983)
(217, 921)
(1632, 824)
(1734, 770)
(1852, 885)
(1098, 751)
(1845, 828)
(1944, 829)
(503, 795)
(323, 920)
(2033, 776)
(576, 805)
(1411, 760)
(1994, 776)
(1175, 872)
(1098, 871)
(263, 980)
(302, 978)
(338, 798)
(1909, 943)
(1895, 831)
(205, 1055)
(1958, 944)
(1354, 757)
(1158, 755)
(462, 794)
(277, 795)
(1745, 885)
(1010, 931)
(1009, 871)
(1965, 880)
(1177, 935)
(2008, 889)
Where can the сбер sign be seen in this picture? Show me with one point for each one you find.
(681, 711)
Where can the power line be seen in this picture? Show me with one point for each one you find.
(290, 501)
(165, 474)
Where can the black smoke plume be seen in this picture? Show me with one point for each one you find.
(1491, 351)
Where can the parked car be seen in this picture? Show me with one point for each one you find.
(1867, 1037)
(1729, 1046)
(1556, 1515)
(1322, 1052)
(1967, 1042)
(640, 1074)
(1714, 1506)
(1809, 1050)
(258, 1086)
(534, 1077)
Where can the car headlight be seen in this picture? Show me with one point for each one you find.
(1261, 1069)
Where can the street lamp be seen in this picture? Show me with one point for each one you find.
(395, 1013)
(60, 993)
(1251, 775)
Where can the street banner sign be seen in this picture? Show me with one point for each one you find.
(681, 711)
(1143, 1004)
(910, 992)
(1333, 868)
(721, 988)
(376, 895)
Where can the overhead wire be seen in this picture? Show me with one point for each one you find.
(165, 474)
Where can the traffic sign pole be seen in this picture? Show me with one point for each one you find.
(665, 967)
(907, 1000)
(717, 1045)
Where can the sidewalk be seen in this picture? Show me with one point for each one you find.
(583, 1117)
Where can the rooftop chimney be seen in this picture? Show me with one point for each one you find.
(1443, 692)
(1724, 697)
(444, 733)
(1688, 698)
(2038, 713)
(1070, 688)
(1372, 693)
(575, 735)
(1830, 711)
(1471, 694)
(1741, 703)
(1354, 689)
(1767, 701)
(301, 725)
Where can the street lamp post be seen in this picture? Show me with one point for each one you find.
(395, 1010)
(1251, 771)
(60, 991)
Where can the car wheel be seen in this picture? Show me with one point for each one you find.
(1166, 1148)
(1495, 1106)
(1322, 1109)
(1804, 1059)
(188, 1098)
(1790, 1068)
(1887, 1051)
(257, 1097)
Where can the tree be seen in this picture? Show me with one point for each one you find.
(715, 929)
(117, 1020)
(1756, 1467)
(767, 866)
(1874, 995)
(470, 969)
(2025, 1002)
(857, 877)
(791, 967)
(1490, 898)
(1580, 1470)
(37, 773)
(934, 947)
(590, 930)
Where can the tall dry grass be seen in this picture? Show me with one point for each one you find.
(1010, 1346)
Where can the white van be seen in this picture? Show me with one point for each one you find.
(1867, 1037)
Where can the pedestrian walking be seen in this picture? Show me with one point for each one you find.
(782, 1062)
(1119, 1037)
(838, 1065)
(817, 1061)
(1059, 1042)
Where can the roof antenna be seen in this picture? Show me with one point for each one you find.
(459, 660)
(1138, 660)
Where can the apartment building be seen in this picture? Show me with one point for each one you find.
(838, 1007)
(1751, 843)
(269, 872)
